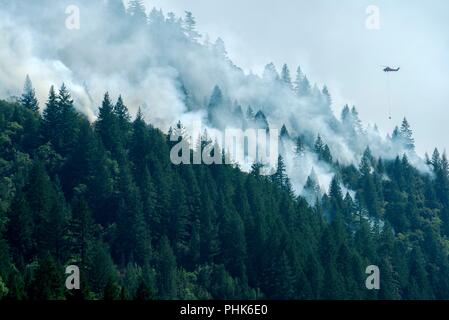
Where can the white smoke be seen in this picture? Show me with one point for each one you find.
(150, 66)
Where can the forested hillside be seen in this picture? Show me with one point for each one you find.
(105, 196)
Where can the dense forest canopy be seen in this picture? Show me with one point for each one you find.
(95, 187)
(105, 196)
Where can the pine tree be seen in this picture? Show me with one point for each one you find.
(51, 118)
(345, 114)
(336, 197)
(67, 128)
(285, 76)
(249, 113)
(188, 99)
(16, 286)
(219, 49)
(319, 145)
(326, 154)
(100, 267)
(214, 109)
(280, 177)
(5, 262)
(143, 292)
(180, 218)
(190, 27)
(436, 162)
(216, 98)
(315, 275)
(283, 279)
(167, 279)
(299, 146)
(42, 201)
(312, 190)
(106, 125)
(112, 290)
(322, 150)
(156, 18)
(133, 236)
(82, 229)
(270, 73)
(284, 133)
(332, 283)
(406, 135)
(232, 236)
(418, 283)
(48, 281)
(20, 229)
(136, 10)
(302, 84)
(28, 99)
(367, 186)
(3, 289)
(261, 120)
(123, 118)
(442, 188)
(140, 140)
(55, 225)
(356, 122)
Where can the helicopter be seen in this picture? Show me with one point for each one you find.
(388, 69)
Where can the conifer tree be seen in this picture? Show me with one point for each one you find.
(299, 146)
(406, 135)
(48, 282)
(190, 27)
(261, 120)
(28, 99)
(122, 114)
(270, 73)
(302, 84)
(51, 118)
(215, 104)
(136, 10)
(67, 128)
(285, 77)
(167, 271)
(107, 124)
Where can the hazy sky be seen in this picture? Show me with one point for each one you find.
(330, 41)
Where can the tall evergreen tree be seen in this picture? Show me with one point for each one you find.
(167, 271)
(302, 84)
(214, 109)
(28, 98)
(51, 118)
(406, 135)
(107, 124)
(190, 27)
(67, 125)
(136, 10)
(285, 76)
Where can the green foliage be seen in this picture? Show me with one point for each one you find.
(106, 197)
(3, 289)
(28, 98)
